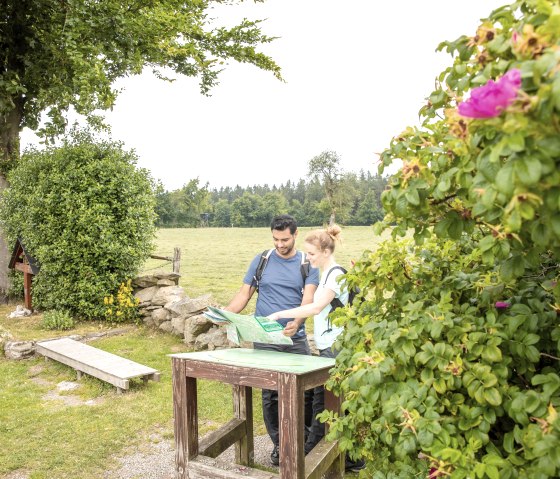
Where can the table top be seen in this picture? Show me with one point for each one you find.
(261, 359)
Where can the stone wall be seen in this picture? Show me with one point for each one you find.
(165, 305)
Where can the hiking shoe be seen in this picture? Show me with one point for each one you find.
(275, 456)
(354, 466)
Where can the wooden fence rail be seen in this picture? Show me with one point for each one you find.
(176, 259)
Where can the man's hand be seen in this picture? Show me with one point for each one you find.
(291, 328)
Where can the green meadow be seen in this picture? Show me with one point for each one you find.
(214, 260)
(48, 439)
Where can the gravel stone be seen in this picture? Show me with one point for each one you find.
(157, 461)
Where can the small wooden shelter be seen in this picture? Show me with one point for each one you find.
(24, 262)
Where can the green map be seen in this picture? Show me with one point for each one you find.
(256, 329)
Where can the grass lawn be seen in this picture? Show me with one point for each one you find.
(214, 260)
(47, 439)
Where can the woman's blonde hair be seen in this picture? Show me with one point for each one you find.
(324, 238)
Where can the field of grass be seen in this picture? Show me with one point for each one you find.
(214, 260)
(46, 439)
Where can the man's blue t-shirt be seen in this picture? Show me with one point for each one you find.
(280, 286)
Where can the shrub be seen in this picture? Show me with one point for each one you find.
(86, 213)
(59, 320)
(452, 364)
(123, 306)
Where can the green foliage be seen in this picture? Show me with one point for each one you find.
(59, 54)
(429, 364)
(58, 320)
(86, 213)
(122, 306)
(453, 360)
(500, 175)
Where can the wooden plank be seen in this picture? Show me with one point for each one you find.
(25, 267)
(243, 409)
(216, 442)
(226, 373)
(185, 415)
(108, 367)
(203, 468)
(291, 424)
(320, 459)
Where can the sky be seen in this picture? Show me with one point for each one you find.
(356, 74)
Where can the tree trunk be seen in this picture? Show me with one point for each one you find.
(4, 254)
(9, 154)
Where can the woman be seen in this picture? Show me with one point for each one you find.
(319, 246)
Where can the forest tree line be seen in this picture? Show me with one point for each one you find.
(354, 200)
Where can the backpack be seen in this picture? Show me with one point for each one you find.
(304, 268)
(336, 303)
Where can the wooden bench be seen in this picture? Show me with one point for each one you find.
(108, 367)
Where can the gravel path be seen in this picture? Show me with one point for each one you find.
(157, 461)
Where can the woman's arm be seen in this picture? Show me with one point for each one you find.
(306, 310)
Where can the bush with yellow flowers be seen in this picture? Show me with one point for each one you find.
(122, 306)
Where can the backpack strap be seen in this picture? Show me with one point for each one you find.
(261, 266)
(265, 255)
(305, 265)
(335, 303)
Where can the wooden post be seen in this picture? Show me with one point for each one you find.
(176, 259)
(27, 290)
(243, 409)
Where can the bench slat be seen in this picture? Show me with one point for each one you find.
(108, 367)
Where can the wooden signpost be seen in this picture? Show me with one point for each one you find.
(22, 261)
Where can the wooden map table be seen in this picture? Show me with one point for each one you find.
(244, 369)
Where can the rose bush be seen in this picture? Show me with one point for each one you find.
(451, 366)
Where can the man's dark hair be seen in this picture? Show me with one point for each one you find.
(282, 222)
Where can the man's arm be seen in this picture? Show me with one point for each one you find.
(240, 300)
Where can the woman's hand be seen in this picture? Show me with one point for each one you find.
(273, 317)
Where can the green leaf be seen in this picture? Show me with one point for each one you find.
(515, 142)
(412, 196)
(508, 442)
(556, 92)
(528, 170)
(492, 354)
(492, 472)
(493, 396)
(504, 180)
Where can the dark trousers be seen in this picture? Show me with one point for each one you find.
(317, 428)
(270, 397)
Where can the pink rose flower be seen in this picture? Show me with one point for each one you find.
(490, 100)
(501, 305)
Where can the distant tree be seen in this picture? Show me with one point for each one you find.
(164, 209)
(326, 169)
(189, 203)
(222, 214)
(245, 211)
(369, 210)
(272, 204)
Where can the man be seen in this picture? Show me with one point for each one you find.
(281, 286)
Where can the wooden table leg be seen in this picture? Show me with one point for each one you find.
(243, 409)
(185, 415)
(291, 419)
(336, 470)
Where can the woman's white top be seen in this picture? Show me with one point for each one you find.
(324, 339)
